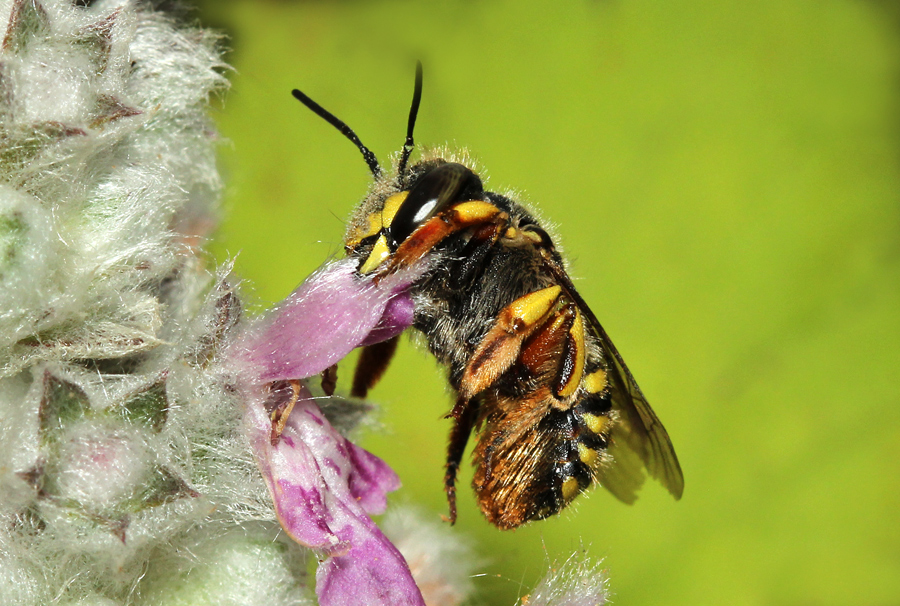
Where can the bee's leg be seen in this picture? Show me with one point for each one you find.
(500, 347)
(373, 361)
(574, 353)
(459, 437)
(282, 411)
(473, 258)
(466, 215)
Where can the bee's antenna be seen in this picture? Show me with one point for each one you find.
(413, 112)
(345, 130)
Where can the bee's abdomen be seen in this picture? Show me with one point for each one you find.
(530, 469)
(581, 452)
(592, 422)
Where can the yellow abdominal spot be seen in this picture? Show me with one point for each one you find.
(596, 423)
(569, 489)
(588, 456)
(595, 382)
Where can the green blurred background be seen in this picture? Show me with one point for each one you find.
(725, 177)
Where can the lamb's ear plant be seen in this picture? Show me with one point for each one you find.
(137, 461)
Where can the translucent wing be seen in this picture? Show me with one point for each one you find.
(638, 437)
(638, 441)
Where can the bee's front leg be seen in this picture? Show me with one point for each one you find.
(484, 217)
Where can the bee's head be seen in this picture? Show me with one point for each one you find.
(400, 203)
(387, 218)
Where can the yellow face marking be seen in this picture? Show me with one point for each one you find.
(595, 382)
(569, 489)
(530, 308)
(596, 423)
(378, 220)
(391, 206)
(511, 233)
(379, 253)
(372, 228)
(475, 210)
(588, 456)
(577, 333)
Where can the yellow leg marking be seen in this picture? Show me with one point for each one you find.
(519, 237)
(475, 211)
(501, 346)
(475, 214)
(541, 352)
(595, 382)
(588, 456)
(596, 423)
(379, 253)
(525, 311)
(391, 206)
(535, 238)
(569, 489)
(576, 341)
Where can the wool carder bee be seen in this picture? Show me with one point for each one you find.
(535, 375)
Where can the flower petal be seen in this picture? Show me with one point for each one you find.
(372, 573)
(324, 487)
(325, 318)
(396, 317)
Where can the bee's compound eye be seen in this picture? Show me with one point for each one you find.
(433, 192)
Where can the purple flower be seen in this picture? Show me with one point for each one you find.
(324, 319)
(323, 486)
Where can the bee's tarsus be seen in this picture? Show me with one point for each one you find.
(459, 436)
(450, 488)
(281, 414)
(458, 409)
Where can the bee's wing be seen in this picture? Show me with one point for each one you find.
(639, 439)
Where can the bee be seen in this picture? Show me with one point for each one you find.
(535, 375)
